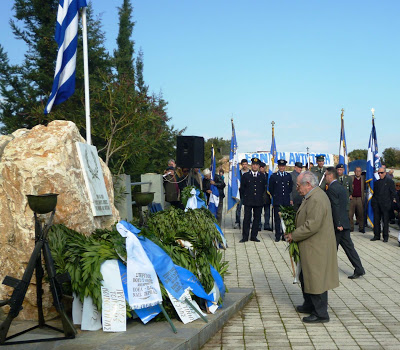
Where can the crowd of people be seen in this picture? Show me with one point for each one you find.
(176, 179)
(326, 201)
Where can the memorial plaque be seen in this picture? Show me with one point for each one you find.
(94, 179)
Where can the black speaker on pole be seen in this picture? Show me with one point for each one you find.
(190, 151)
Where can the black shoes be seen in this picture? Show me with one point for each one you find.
(243, 240)
(356, 275)
(385, 240)
(267, 228)
(303, 309)
(254, 239)
(259, 229)
(362, 231)
(315, 319)
(375, 239)
(277, 239)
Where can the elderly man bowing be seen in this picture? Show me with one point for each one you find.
(317, 245)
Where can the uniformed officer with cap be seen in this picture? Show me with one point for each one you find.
(295, 195)
(253, 188)
(280, 187)
(319, 171)
(346, 181)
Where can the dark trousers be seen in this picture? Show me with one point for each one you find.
(343, 238)
(238, 211)
(267, 211)
(277, 221)
(247, 219)
(219, 211)
(316, 302)
(381, 214)
(356, 207)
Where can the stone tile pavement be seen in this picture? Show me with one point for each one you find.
(364, 313)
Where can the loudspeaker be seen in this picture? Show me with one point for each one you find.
(190, 151)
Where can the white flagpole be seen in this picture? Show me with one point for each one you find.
(86, 75)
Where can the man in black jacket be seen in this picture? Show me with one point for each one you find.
(338, 197)
(381, 202)
(253, 188)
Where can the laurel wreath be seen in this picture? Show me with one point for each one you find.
(95, 171)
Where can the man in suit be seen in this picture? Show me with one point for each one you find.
(245, 168)
(267, 202)
(357, 200)
(280, 187)
(346, 181)
(381, 202)
(319, 171)
(295, 195)
(314, 233)
(253, 187)
(338, 197)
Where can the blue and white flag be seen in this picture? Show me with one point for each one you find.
(67, 40)
(272, 159)
(213, 202)
(343, 159)
(373, 165)
(234, 173)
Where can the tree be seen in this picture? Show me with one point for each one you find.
(141, 86)
(358, 154)
(389, 156)
(219, 146)
(123, 56)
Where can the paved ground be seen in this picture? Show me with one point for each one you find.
(364, 313)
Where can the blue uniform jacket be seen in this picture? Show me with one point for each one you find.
(280, 188)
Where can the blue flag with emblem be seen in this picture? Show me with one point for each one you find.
(67, 40)
(234, 173)
(213, 202)
(343, 159)
(373, 165)
(272, 159)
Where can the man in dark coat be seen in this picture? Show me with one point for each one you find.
(280, 187)
(253, 187)
(338, 197)
(267, 203)
(382, 199)
(295, 195)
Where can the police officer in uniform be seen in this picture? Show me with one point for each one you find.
(253, 188)
(319, 171)
(280, 187)
(346, 181)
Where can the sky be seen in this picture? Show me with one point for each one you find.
(297, 63)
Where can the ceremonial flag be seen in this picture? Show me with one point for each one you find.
(343, 159)
(67, 40)
(373, 164)
(214, 196)
(234, 173)
(272, 157)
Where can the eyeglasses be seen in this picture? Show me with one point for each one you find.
(381, 172)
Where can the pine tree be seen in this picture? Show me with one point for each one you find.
(123, 56)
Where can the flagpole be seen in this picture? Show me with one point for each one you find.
(86, 76)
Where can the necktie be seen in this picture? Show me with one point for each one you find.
(341, 180)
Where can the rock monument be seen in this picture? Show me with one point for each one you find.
(37, 161)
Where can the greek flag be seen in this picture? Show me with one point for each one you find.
(234, 173)
(373, 164)
(214, 196)
(67, 40)
(343, 159)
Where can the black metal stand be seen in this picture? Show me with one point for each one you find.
(21, 287)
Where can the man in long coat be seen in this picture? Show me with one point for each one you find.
(315, 236)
